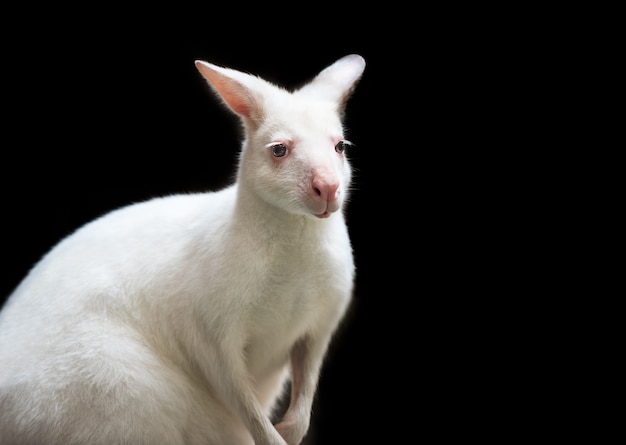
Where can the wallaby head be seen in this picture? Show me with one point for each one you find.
(293, 154)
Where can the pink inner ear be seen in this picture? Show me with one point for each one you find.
(231, 91)
(234, 95)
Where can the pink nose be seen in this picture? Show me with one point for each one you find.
(325, 189)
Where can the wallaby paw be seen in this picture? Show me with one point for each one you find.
(293, 432)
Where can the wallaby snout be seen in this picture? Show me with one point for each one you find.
(326, 189)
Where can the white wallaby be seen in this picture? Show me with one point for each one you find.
(183, 319)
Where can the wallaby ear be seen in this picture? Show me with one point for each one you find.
(234, 87)
(337, 81)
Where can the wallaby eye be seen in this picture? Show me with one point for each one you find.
(340, 147)
(279, 150)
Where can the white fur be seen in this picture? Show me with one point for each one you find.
(180, 320)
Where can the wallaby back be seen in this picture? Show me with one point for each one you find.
(179, 320)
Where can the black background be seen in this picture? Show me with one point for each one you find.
(106, 109)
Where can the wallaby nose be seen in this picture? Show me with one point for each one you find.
(326, 189)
